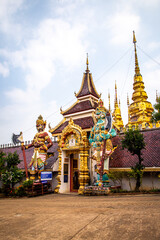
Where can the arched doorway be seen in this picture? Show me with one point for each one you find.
(73, 141)
(74, 173)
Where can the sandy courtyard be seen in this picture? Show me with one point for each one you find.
(58, 216)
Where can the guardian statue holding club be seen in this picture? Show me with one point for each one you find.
(41, 143)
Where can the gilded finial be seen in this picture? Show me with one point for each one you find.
(116, 101)
(115, 85)
(87, 63)
(134, 37)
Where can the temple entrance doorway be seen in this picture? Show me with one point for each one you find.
(74, 173)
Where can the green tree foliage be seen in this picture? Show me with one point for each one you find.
(10, 173)
(156, 112)
(134, 141)
(2, 162)
(116, 176)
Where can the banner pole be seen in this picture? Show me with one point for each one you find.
(102, 159)
(24, 158)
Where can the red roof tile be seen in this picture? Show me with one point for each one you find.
(84, 123)
(151, 155)
(81, 106)
(87, 86)
(29, 153)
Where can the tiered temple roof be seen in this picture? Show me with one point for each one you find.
(87, 86)
(82, 111)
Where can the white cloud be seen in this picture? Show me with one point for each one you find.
(121, 24)
(8, 24)
(152, 46)
(4, 70)
(9, 7)
(146, 3)
(19, 117)
(55, 41)
(152, 78)
(54, 48)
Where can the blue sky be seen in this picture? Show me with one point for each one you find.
(43, 50)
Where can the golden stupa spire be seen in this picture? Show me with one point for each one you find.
(140, 110)
(137, 69)
(117, 111)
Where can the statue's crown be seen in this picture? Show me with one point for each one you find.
(40, 120)
(101, 106)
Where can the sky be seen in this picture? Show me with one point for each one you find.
(43, 47)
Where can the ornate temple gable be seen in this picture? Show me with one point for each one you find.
(72, 136)
(87, 97)
(117, 118)
(85, 123)
(61, 125)
(140, 110)
(87, 86)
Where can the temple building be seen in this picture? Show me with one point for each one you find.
(72, 165)
(73, 133)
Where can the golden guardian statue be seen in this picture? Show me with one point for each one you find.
(41, 143)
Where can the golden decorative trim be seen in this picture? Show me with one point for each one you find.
(63, 112)
(58, 125)
(149, 169)
(81, 85)
(99, 95)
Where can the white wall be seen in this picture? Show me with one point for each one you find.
(150, 181)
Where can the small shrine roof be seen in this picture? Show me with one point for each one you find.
(81, 106)
(84, 123)
(151, 154)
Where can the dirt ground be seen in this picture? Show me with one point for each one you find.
(58, 216)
